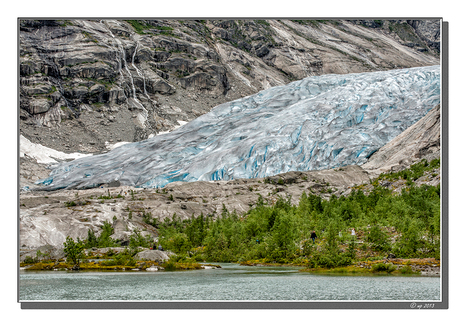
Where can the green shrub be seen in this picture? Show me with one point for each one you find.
(169, 265)
(104, 239)
(70, 204)
(378, 239)
(383, 267)
(351, 250)
(406, 270)
(124, 258)
(91, 240)
(73, 250)
(178, 243)
(329, 259)
(138, 26)
(30, 260)
(149, 219)
(138, 240)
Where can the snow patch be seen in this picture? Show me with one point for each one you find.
(44, 154)
(115, 145)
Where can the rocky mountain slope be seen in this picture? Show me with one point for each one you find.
(47, 218)
(86, 84)
(316, 123)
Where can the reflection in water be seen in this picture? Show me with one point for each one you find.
(232, 282)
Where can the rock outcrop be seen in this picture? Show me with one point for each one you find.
(47, 218)
(153, 255)
(422, 140)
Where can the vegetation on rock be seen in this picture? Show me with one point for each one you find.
(389, 223)
(405, 224)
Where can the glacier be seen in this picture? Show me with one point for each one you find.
(317, 123)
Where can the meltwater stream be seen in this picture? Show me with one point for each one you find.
(232, 282)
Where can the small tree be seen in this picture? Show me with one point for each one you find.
(351, 250)
(91, 240)
(179, 243)
(74, 251)
(104, 238)
(378, 239)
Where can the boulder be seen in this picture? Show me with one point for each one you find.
(153, 255)
(262, 51)
(42, 253)
(38, 106)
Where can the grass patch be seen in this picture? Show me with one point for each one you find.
(138, 26)
(70, 204)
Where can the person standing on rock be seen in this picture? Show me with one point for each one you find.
(313, 236)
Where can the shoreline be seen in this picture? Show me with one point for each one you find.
(411, 267)
(414, 266)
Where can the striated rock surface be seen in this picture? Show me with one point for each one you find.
(87, 82)
(47, 218)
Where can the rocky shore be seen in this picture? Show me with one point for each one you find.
(425, 267)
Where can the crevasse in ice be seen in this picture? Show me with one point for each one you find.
(316, 123)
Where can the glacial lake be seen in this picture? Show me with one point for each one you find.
(231, 282)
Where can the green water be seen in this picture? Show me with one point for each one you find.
(231, 282)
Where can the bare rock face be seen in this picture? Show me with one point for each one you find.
(420, 141)
(47, 218)
(31, 171)
(85, 82)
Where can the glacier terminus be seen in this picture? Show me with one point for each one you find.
(317, 123)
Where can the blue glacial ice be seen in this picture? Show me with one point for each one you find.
(316, 123)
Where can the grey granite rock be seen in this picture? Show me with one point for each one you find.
(70, 66)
